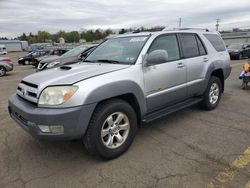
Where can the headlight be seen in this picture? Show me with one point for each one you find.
(52, 64)
(56, 95)
(21, 58)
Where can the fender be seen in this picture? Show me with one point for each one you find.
(212, 67)
(118, 88)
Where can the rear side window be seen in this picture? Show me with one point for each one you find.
(216, 42)
(202, 49)
(168, 43)
(189, 45)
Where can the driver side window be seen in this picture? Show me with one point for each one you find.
(168, 43)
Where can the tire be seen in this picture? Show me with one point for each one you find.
(107, 145)
(212, 95)
(240, 56)
(2, 71)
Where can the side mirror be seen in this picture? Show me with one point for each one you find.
(80, 58)
(156, 57)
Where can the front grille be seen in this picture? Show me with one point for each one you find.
(32, 94)
(29, 84)
(28, 91)
(41, 66)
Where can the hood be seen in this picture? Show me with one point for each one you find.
(50, 59)
(47, 57)
(74, 73)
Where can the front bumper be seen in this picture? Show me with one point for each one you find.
(9, 67)
(75, 120)
(234, 54)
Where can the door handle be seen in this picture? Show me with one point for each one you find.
(205, 59)
(180, 65)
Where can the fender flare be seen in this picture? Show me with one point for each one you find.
(116, 89)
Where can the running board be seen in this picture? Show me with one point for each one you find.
(170, 109)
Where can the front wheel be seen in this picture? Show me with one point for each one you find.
(111, 130)
(212, 95)
(2, 71)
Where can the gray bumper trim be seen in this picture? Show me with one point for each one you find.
(74, 120)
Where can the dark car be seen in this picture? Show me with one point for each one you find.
(53, 53)
(239, 51)
(27, 59)
(73, 56)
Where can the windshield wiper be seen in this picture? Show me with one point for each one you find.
(87, 61)
(108, 61)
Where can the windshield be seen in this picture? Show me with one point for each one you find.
(74, 52)
(235, 46)
(124, 50)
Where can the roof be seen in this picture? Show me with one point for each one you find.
(9, 41)
(182, 30)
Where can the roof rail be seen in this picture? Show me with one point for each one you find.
(187, 28)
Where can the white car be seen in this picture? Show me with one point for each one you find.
(3, 50)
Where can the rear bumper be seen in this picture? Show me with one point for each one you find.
(74, 120)
(227, 72)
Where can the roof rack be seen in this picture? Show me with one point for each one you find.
(187, 28)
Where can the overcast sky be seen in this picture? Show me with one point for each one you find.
(18, 16)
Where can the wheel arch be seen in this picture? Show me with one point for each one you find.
(219, 73)
(128, 91)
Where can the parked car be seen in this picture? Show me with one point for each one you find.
(3, 50)
(51, 54)
(27, 59)
(239, 51)
(127, 80)
(73, 56)
(6, 65)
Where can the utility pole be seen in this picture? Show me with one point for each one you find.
(217, 24)
(180, 22)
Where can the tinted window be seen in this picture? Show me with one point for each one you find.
(201, 46)
(189, 45)
(168, 43)
(216, 41)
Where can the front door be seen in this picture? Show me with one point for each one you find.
(165, 83)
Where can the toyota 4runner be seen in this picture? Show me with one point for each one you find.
(126, 80)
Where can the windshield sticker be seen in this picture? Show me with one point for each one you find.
(138, 39)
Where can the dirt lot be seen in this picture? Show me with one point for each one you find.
(191, 148)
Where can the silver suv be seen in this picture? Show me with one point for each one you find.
(127, 80)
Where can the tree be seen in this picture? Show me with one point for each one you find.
(23, 37)
(122, 31)
(42, 36)
(72, 36)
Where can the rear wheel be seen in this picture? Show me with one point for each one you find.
(2, 71)
(212, 95)
(111, 130)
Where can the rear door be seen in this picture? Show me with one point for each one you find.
(195, 58)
